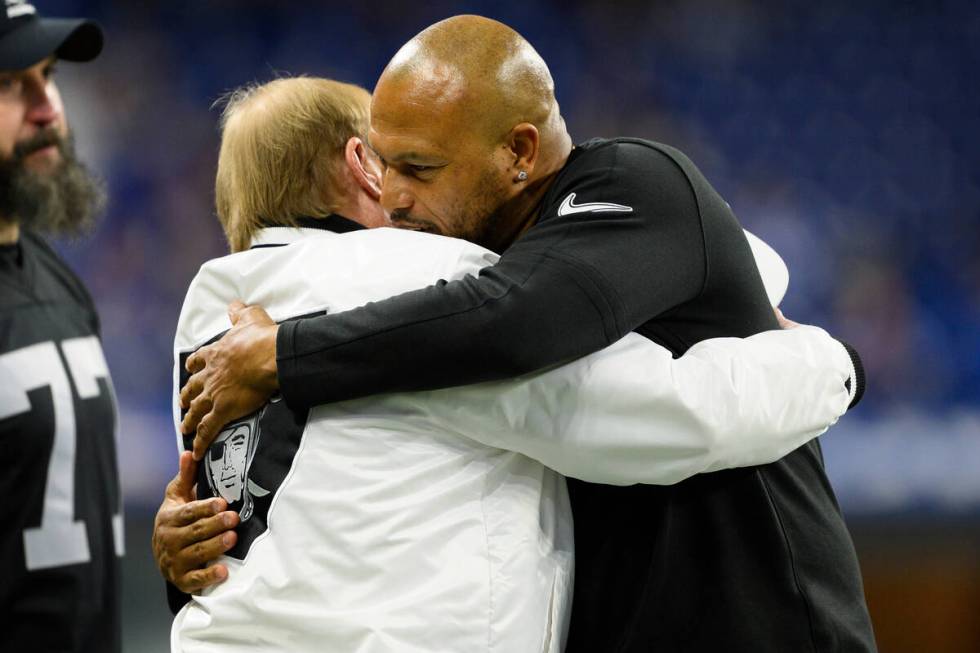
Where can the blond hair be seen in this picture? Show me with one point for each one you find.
(281, 157)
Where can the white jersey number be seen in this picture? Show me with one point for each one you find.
(60, 539)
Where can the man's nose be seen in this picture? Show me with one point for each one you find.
(394, 194)
(41, 108)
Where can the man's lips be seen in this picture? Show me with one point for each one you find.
(43, 155)
(46, 149)
(43, 142)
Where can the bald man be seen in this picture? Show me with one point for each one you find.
(597, 240)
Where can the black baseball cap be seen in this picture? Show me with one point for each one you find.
(26, 38)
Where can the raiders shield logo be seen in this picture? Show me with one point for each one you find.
(228, 461)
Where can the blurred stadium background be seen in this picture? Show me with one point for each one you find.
(845, 134)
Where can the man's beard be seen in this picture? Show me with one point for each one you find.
(478, 221)
(489, 214)
(63, 202)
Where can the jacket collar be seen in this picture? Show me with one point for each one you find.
(277, 236)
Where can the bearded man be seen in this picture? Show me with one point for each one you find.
(61, 513)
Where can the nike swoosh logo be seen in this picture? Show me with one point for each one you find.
(568, 207)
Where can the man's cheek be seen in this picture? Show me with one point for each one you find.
(450, 210)
(6, 150)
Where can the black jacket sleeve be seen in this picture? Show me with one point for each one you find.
(573, 284)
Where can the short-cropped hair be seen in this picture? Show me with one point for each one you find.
(282, 152)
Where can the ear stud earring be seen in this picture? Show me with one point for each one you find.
(522, 176)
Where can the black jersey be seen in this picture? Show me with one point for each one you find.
(60, 515)
(630, 237)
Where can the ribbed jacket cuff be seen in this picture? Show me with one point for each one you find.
(857, 391)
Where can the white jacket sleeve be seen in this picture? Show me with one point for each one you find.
(633, 414)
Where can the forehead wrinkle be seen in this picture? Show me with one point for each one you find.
(402, 130)
(430, 88)
(401, 147)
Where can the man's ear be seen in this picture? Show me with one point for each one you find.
(364, 166)
(524, 144)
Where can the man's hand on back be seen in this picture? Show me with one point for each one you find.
(232, 377)
(187, 533)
